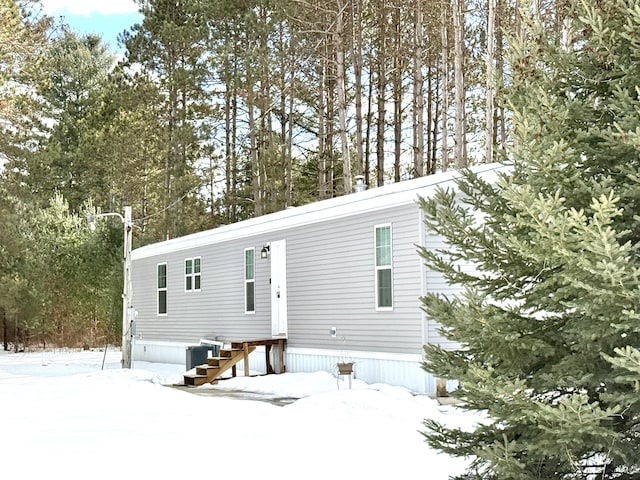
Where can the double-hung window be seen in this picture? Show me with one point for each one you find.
(384, 268)
(249, 280)
(192, 268)
(162, 288)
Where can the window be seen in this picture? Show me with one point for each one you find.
(162, 289)
(192, 274)
(384, 270)
(249, 280)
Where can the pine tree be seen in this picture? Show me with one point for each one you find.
(548, 326)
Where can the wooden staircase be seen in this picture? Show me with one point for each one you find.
(216, 366)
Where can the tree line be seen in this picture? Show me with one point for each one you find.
(219, 111)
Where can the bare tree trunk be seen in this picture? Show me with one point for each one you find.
(169, 161)
(517, 21)
(491, 81)
(285, 118)
(227, 151)
(357, 73)
(536, 6)
(342, 102)
(567, 32)
(445, 84)
(461, 121)
(418, 96)
(289, 165)
(438, 99)
(432, 121)
(234, 157)
(381, 94)
(253, 154)
(322, 135)
(398, 66)
(331, 105)
(367, 143)
(501, 127)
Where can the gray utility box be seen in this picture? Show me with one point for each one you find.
(198, 354)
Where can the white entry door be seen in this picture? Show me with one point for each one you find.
(279, 288)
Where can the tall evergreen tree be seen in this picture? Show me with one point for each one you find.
(75, 71)
(548, 326)
(169, 45)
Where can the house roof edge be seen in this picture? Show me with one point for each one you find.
(387, 196)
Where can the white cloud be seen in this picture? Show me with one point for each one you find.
(85, 7)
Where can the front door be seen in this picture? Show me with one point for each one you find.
(278, 253)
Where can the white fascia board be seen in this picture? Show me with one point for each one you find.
(379, 198)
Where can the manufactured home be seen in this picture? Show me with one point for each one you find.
(339, 279)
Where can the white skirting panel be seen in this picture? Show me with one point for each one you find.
(156, 351)
(371, 367)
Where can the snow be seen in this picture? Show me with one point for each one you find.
(65, 417)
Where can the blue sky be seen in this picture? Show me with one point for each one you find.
(106, 18)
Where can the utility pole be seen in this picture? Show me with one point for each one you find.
(127, 316)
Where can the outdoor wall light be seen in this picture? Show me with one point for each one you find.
(360, 186)
(264, 253)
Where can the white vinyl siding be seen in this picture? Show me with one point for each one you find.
(329, 283)
(249, 280)
(162, 288)
(331, 277)
(384, 269)
(192, 274)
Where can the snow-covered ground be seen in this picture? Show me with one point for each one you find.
(64, 417)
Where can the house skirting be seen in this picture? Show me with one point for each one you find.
(156, 351)
(401, 370)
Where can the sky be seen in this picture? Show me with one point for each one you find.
(105, 17)
(65, 417)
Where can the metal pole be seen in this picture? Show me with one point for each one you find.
(126, 291)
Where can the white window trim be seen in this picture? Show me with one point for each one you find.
(246, 281)
(165, 289)
(384, 267)
(193, 274)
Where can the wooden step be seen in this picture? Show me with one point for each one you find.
(195, 379)
(230, 352)
(216, 366)
(207, 370)
(217, 361)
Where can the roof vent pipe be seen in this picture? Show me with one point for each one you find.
(360, 185)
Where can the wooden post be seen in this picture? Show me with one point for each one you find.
(441, 387)
(267, 358)
(245, 347)
(281, 344)
(5, 331)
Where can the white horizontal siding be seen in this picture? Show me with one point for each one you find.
(435, 282)
(217, 310)
(331, 281)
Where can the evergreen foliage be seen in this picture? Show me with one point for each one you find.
(548, 326)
